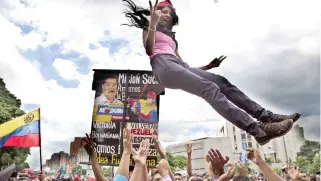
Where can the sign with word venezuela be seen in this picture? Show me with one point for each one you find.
(124, 99)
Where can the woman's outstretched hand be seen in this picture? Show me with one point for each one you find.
(216, 62)
(154, 14)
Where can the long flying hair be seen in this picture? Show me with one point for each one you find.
(137, 15)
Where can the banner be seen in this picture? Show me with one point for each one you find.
(124, 99)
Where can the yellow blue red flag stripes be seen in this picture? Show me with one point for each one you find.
(22, 131)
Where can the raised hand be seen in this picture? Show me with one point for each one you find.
(188, 148)
(216, 62)
(217, 161)
(89, 144)
(242, 169)
(292, 172)
(254, 156)
(141, 155)
(154, 14)
(163, 168)
(229, 172)
(127, 141)
(159, 148)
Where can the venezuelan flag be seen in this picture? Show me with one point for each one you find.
(23, 131)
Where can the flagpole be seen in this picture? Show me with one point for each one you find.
(40, 150)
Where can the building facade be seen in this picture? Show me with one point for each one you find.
(200, 148)
(83, 161)
(57, 160)
(75, 145)
(77, 150)
(278, 150)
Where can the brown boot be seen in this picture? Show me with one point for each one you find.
(275, 118)
(273, 130)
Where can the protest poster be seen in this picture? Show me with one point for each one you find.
(124, 98)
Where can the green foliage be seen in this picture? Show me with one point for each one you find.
(278, 160)
(302, 163)
(309, 149)
(278, 171)
(106, 170)
(9, 109)
(77, 170)
(248, 166)
(83, 172)
(22, 166)
(269, 160)
(175, 162)
(315, 166)
(308, 159)
(179, 162)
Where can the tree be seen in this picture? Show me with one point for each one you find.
(6, 159)
(22, 166)
(9, 109)
(278, 160)
(76, 170)
(278, 171)
(179, 162)
(302, 163)
(107, 170)
(175, 162)
(315, 166)
(83, 172)
(248, 166)
(269, 160)
(309, 149)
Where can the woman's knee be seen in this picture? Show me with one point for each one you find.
(222, 82)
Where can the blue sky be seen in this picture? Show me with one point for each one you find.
(46, 56)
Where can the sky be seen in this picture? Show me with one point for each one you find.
(49, 48)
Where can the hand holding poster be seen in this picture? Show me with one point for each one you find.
(128, 99)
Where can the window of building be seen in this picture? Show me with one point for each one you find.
(244, 145)
(235, 147)
(243, 136)
(248, 136)
(249, 144)
(234, 138)
(233, 129)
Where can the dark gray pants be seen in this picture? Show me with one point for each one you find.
(215, 89)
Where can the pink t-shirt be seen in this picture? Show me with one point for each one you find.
(163, 44)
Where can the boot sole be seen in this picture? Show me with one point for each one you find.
(265, 142)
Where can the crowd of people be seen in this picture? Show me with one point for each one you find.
(219, 168)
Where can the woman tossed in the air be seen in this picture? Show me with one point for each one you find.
(172, 72)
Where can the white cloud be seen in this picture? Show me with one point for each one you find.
(66, 68)
(234, 28)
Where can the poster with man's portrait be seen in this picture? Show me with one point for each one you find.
(125, 96)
